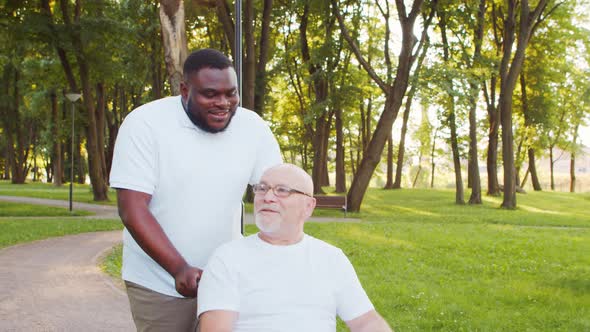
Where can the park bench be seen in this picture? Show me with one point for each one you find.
(331, 202)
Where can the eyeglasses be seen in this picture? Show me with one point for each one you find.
(279, 190)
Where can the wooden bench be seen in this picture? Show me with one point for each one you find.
(331, 202)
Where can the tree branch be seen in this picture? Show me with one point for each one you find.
(384, 87)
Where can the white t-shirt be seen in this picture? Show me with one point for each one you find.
(300, 287)
(196, 180)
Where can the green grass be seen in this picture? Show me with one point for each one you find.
(113, 262)
(430, 265)
(9, 209)
(21, 223)
(81, 192)
(14, 231)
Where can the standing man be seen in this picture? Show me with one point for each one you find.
(180, 167)
(282, 279)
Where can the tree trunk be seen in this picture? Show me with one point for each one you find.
(493, 134)
(352, 158)
(418, 170)
(16, 127)
(224, 16)
(459, 195)
(56, 133)
(173, 40)
(551, 163)
(322, 114)
(533, 170)
(260, 85)
(509, 72)
(389, 182)
(526, 175)
(340, 169)
(573, 160)
(155, 63)
(113, 122)
(249, 67)
(402, 141)
(100, 127)
(432, 163)
(473, 164)
(320, 152)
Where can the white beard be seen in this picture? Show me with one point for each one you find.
(267, 227)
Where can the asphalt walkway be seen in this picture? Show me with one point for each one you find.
(56, 285)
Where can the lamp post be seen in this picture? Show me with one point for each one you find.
(73, 97)
(238, 67)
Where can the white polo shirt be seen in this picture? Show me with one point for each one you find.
(196, 179)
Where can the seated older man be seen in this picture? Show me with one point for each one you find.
(282, 279)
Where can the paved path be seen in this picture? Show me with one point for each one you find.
(56, 285)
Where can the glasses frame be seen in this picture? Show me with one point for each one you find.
(290, 190)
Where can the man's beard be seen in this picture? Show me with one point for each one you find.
(200, 122)
(267, 228)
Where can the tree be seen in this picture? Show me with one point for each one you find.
(510, 68)
(394, 92)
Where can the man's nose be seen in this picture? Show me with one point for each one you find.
(222, 101)
(270, 196)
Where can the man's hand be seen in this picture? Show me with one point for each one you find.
(187, 280)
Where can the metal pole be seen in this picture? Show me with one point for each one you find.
(72, 160)
(238, 45)
(72, 97)
(238, 64)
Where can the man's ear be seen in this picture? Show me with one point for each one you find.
(310, 205)
(184, 90)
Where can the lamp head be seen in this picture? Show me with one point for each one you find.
(73, 96)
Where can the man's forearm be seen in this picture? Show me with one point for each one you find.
(147, 232)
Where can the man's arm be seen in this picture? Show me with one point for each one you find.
(147, 232)
(370, 321)
(217, 321)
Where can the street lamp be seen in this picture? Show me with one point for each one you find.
(238, 67)
(73, 97)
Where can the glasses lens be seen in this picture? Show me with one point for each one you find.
(260, 188)
(282, 191)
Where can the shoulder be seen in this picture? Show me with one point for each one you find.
(153, 112)
(234, 248)
(250, 118)
(324, 248)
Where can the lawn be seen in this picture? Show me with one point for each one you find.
(19, 230)
(81, 192)
(9, 209)
(428, 264)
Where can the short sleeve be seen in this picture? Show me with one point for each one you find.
(134, 163)
(268, 153)
(351, 299)
(218, 288)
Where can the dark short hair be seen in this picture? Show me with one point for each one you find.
(205, 58)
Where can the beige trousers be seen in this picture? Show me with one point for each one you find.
(156, 312)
